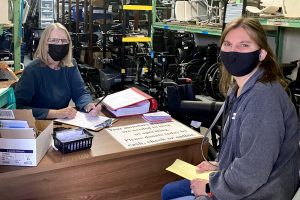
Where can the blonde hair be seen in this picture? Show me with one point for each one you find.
(272, 70)
(42, 50)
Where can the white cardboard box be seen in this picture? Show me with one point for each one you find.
(4, 12)
(26, 148)
(186, 11)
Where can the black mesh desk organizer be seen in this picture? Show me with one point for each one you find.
(72, 145)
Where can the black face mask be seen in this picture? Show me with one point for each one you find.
(240, 64)
(58, 51)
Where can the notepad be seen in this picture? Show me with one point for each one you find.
(187, 170)
(85, 120)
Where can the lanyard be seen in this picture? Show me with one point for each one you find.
(226, 118)
(227, 106)
(209, 129)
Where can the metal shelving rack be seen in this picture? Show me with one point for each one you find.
(206, 30)
(190, 28)
(280, 23)
(17, 35)
(133, 39)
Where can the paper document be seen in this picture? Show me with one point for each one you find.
(84, 120)
(6, 114)
(187, 170)
(124, 98)
(13, 124)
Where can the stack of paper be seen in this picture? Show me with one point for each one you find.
(16, 129)
(13, 124)
(71, 135)
(157, 117)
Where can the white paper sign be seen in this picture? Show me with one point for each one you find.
(145, 134)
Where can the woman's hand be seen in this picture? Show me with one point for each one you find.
(207, 166)
(198, 187)
(92, 109)
(68, 112)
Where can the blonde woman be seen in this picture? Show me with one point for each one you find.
(50, 81)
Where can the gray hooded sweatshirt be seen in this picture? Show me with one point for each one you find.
(259, 157)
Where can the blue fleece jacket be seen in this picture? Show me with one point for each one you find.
(41, 88)
(259, 158)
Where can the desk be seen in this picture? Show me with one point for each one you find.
(106, 171)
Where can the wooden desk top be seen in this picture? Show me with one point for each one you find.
(104, 147)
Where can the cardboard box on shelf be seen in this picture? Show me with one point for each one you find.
(26, 148)
(102, 21)
(96, 58)
(4, 12)
(98, 3)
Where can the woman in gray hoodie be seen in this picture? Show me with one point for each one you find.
(259, 155)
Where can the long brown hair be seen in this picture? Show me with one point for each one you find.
(272, 70)
(42, 50)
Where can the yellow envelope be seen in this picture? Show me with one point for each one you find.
(187, 170)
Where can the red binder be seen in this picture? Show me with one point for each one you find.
(129, 102)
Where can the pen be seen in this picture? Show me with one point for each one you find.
(98, 102)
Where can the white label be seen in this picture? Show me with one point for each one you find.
(17, 157)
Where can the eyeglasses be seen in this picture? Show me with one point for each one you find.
(56, 40)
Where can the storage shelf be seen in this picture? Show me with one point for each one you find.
(47, 19)
(136, 7)
(46, 13)
(207, 30)
(136, 39)
(281, 22)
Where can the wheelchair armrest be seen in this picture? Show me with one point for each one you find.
(204, 112)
